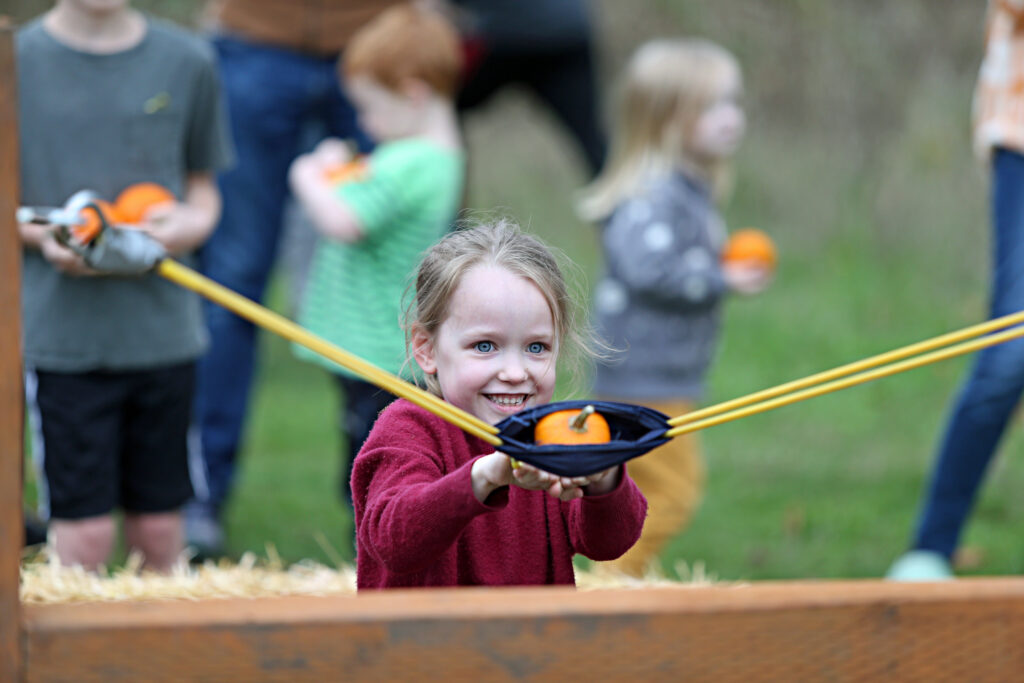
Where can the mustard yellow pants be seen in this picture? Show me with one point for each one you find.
(671, 477)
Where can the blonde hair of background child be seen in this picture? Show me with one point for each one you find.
(500, 242)
(403, 42)
(666, 87)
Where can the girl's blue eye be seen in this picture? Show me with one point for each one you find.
(484, 347)
(536, 347)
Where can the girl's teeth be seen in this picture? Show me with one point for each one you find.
(507, 400)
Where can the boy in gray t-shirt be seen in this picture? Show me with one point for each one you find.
(107, 98)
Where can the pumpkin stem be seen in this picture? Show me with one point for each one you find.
(578, 423)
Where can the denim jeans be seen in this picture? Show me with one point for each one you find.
(273, 95)
(996, 380)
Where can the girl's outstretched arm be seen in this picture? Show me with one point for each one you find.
(413, 512)
(604, 526)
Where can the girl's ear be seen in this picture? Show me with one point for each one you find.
(423, 349)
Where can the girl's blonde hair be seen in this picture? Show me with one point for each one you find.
(498, 242)
(667, 85)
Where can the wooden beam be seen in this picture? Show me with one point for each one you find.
(11, 391)
(971, 629)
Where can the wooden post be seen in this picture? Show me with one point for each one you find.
(11, 390)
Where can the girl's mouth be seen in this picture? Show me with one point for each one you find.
(507, 402)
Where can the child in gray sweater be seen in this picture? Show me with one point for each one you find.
(659, 299)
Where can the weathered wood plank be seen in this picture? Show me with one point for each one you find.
(853, 630)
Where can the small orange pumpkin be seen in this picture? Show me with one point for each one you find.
(572, 427)
(352, 170)
(135, 200)
(87, 230)
(750, 245)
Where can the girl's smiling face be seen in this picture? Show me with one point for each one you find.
(494, 355)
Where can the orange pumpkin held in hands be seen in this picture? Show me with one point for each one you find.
(135, 200)
(572, 427)
(750, 245)
(90, 226)
(350, 171)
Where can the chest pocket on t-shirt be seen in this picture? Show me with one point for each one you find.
(153, 140)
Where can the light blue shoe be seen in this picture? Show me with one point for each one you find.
(920, 565)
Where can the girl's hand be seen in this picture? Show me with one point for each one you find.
(603, 482)
(489, 473)
(746, 277)
(495, 470)
(533, 479)
(566, 488)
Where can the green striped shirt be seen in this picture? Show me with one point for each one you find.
(354, 293)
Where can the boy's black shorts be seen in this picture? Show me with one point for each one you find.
(112, 439)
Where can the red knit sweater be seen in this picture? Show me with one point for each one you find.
(419, 524)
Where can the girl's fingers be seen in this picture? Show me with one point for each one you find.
(571, 493)
(563, 488)
(530, 477)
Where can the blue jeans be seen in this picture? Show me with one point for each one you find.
(273, 94)
(994, 386)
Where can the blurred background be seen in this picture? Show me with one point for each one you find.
(857, 162)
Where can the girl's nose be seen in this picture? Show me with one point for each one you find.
(513, 370)
(737, 120)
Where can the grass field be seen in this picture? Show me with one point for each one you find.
(857, 162)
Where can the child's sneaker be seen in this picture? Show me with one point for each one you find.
(920, 565)
(203, 530)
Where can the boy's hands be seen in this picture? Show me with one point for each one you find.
(62, 257)
(184, 226)
(43, 236)
(309, 182)
(177, 226)
(312, 168)
(305, 171)
(333, 152)
(495, 470)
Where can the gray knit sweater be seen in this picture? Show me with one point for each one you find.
(659, 299)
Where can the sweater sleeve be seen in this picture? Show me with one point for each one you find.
(412, 511)
(658, 247)
(606, 526)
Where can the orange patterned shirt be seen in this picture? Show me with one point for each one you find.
(999, 97)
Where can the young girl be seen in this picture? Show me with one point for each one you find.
(679, 123)
(435, 506)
